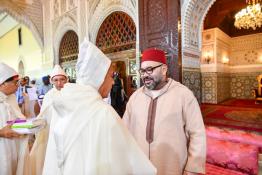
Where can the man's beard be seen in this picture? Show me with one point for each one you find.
(153, 84)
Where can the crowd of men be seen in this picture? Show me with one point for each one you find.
(162, 130)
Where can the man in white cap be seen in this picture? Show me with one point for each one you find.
(87, 136)
(13, 148)
(37, 155)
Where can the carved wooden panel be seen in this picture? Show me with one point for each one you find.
(68, 49)
(158, 21)
(156, 11)
(117, 33)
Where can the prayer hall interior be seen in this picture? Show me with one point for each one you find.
(215, 54)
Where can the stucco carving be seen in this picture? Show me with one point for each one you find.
(64, 24)
(193, 15)
(105, 8)
(23, 18)
(56, 8)
(71, 4)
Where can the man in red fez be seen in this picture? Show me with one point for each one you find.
(165, 119)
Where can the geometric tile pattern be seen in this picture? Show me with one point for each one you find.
(192, 79)
(209, 87)
(223, 87)
(217, 87)
(242, 84)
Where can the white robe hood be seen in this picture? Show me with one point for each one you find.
(6, 72)
(92, 65)
(89, 138)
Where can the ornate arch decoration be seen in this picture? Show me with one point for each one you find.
(117, 33)
(21, 68)
(21, 64)
(18, 15)
(101, 14)
(66, 24)
(68, 49)
(191, 9)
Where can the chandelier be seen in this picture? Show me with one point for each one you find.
(249, 17)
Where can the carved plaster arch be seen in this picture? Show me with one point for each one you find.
(95, 4)
(191, 10)
(101, 14)
(18, 15)
(67, 23)
(22, 61)
(21, 68)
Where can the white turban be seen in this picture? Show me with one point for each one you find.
(92, 65)
(57, 71)
(6, 72)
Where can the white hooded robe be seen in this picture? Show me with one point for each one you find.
(87, 137)
(13, 152)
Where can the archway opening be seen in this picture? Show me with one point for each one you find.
(68, 53)
(18, 41)
(117, 38)
(21, 68)
(230, 57)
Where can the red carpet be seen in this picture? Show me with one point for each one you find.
(245, 118)
(250, 103)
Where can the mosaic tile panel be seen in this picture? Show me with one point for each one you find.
(217, 87)
(209, 88)
(223, 87)
(192, 79)
(242, 84)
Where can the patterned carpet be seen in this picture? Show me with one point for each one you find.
(250, 103)
(245, 118)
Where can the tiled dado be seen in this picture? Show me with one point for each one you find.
(223, 87)
(217, 87)
(242, 84)
(192, 79)
(209, 87)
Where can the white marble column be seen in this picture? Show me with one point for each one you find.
(82, 19)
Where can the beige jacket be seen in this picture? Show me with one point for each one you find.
(168, 128)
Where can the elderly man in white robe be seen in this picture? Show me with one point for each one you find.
(87, 136)
(13, 146)
(37, 155)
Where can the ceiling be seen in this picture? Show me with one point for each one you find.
(221, 15)
(7, 23)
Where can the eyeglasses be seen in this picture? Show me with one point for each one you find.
(148, 70)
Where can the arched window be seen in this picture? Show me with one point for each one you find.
(21, 68)
(117, 33)
(68, 49)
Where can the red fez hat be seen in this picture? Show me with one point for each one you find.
(154, 54)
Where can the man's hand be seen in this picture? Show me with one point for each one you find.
(7, 132)
(189, 173)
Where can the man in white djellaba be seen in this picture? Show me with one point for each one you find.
(87, 137)
(13, 146)
(37, 155)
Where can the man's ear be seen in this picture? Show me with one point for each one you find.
(164, 69)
